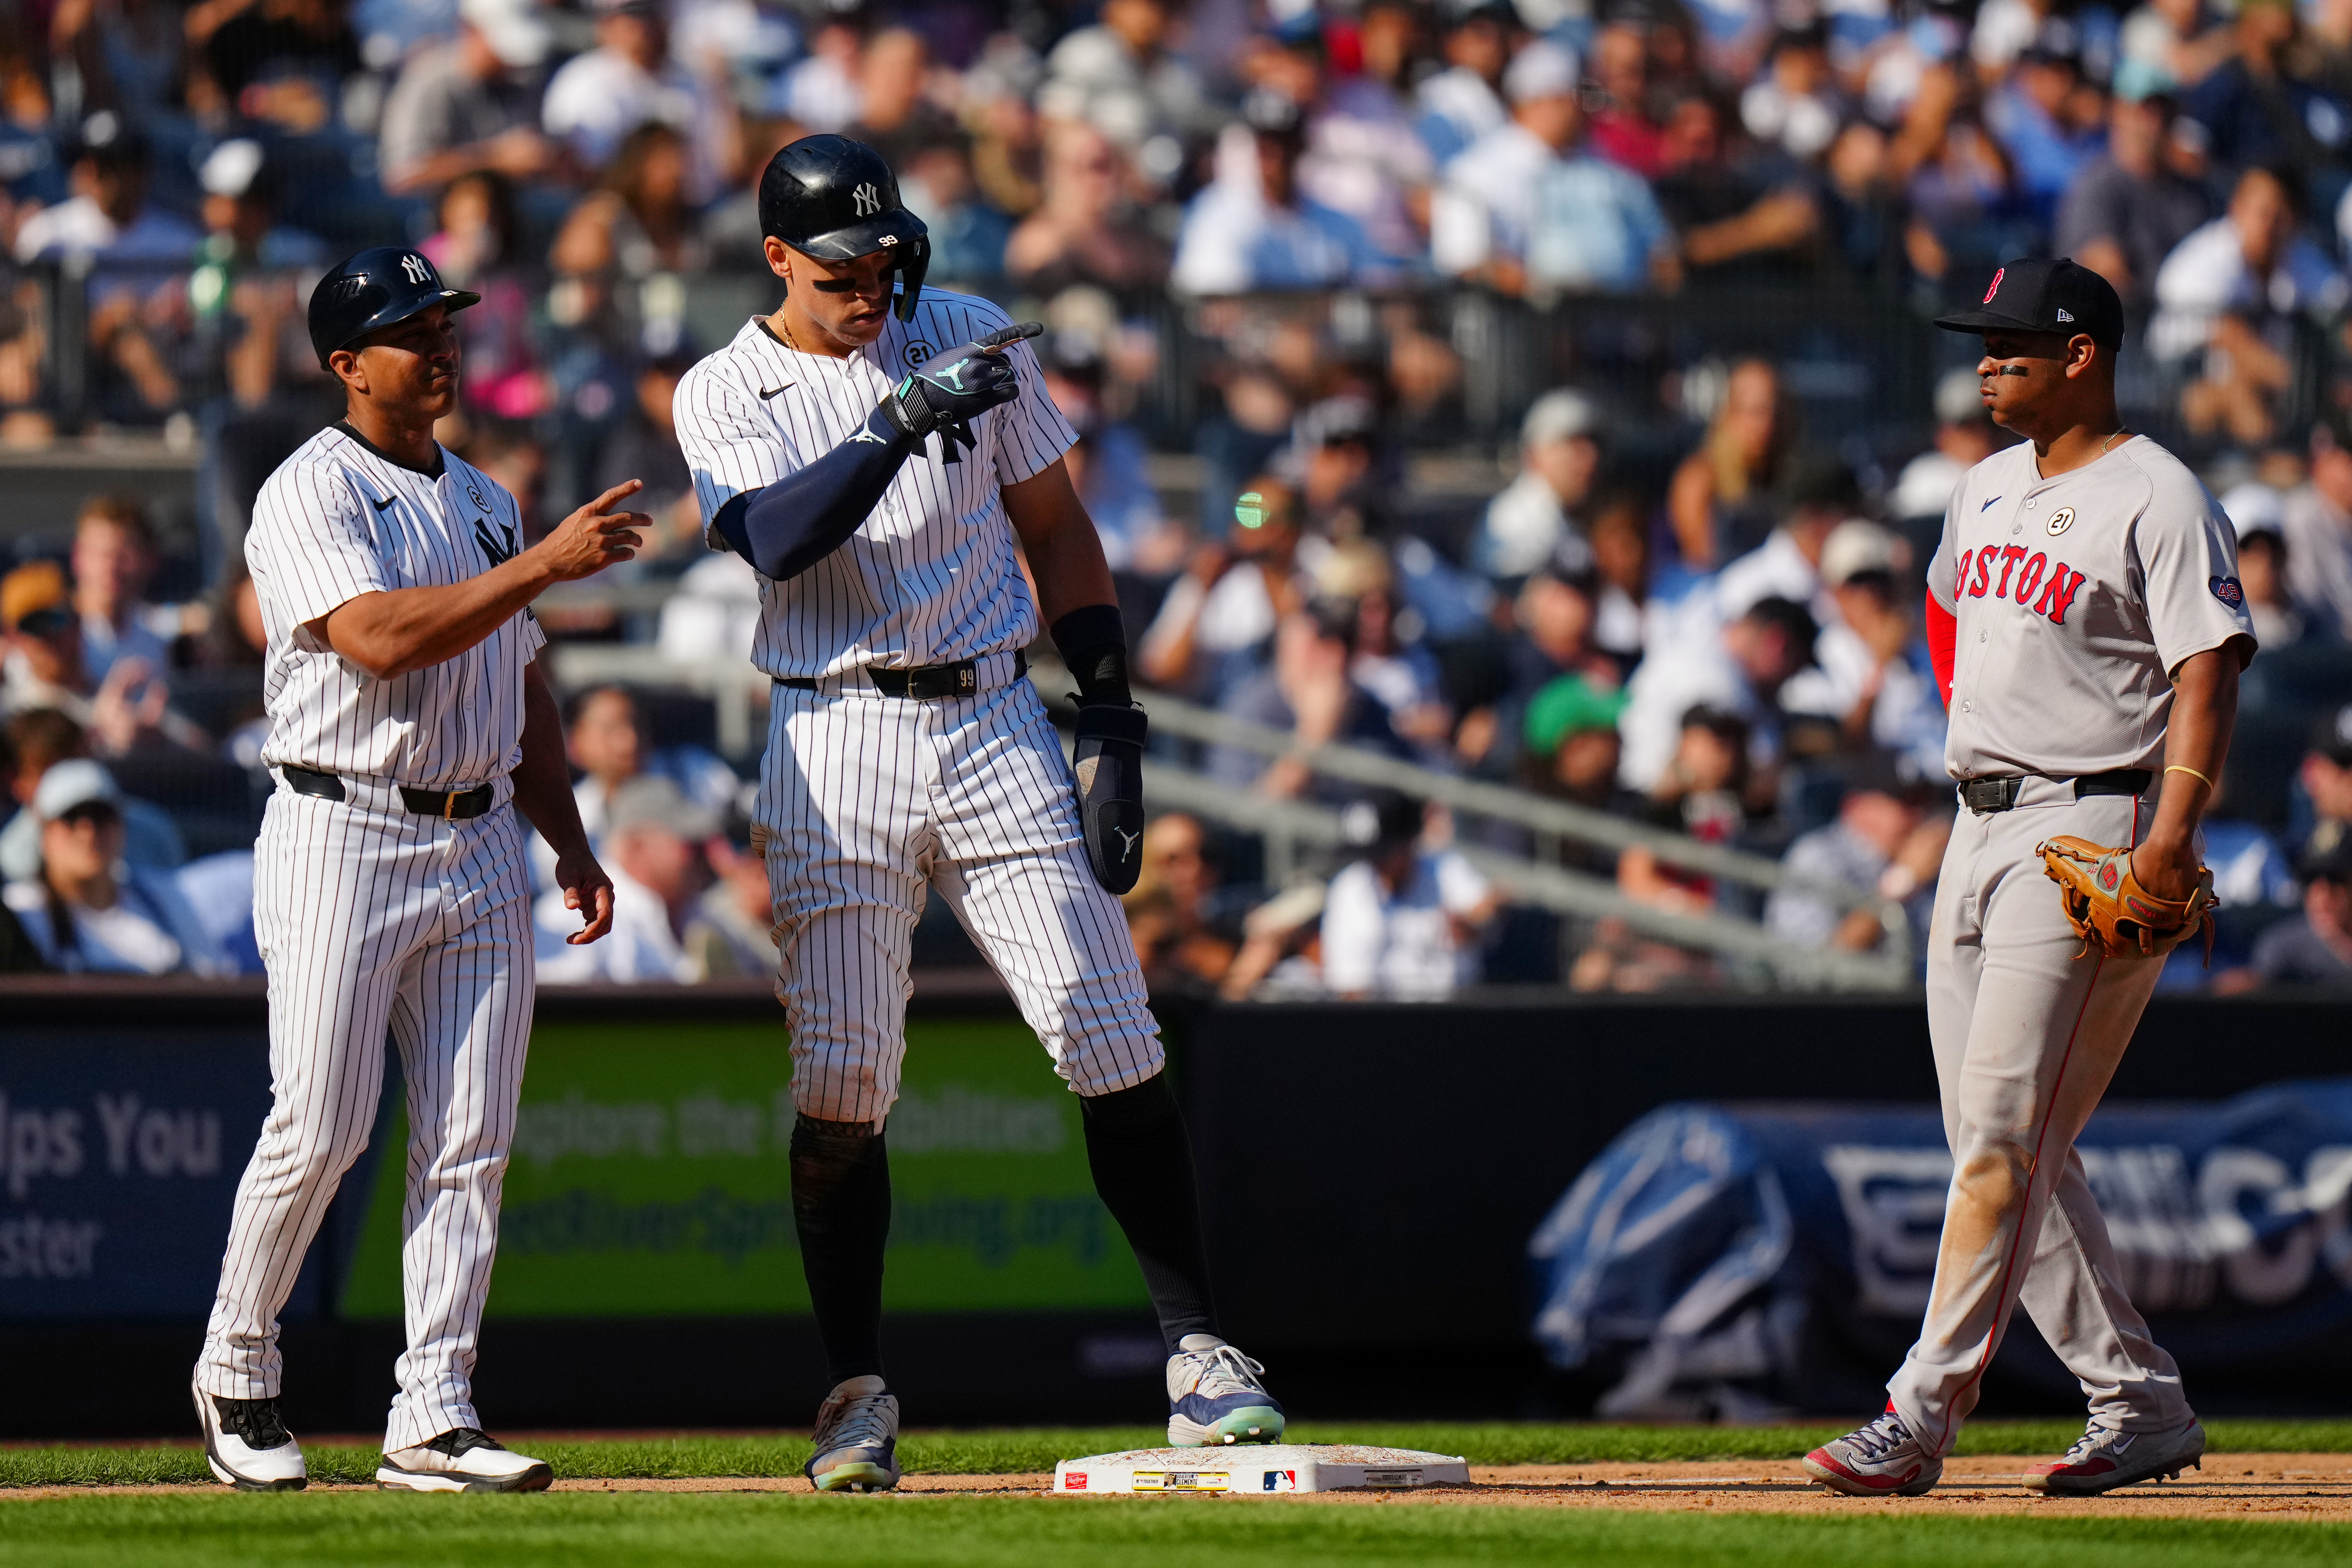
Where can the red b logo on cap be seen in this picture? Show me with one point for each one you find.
(1998, 275)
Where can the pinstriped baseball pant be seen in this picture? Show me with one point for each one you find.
(368, 918)
(2027, 1032)
(866, 803)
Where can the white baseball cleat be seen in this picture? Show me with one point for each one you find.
(466, 1459)
(2100, 1460)
(248, 1445)
(1882, 1460)
(1214, 1396)
(856, 1438)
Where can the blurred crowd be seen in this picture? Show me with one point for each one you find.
(1674, 599)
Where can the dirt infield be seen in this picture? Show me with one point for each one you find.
(2230, 1486)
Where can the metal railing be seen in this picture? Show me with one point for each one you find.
(1285, 825)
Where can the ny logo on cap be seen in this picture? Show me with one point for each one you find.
(868, 199)
(415, 268)
(1999, 274)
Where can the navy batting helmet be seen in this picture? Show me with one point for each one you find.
(837, 200)
(375, 289)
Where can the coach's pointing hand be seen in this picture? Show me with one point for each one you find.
(595, 536)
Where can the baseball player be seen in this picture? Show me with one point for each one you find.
(2088, 627)
(408, 726)
(884, 456)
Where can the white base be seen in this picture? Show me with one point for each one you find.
(1258, 1470)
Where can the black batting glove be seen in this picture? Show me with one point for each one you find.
(952, 389)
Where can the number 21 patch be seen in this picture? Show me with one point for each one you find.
(2227, 590)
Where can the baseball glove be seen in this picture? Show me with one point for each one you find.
(2113, 913)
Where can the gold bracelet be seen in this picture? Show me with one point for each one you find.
(2193, 772)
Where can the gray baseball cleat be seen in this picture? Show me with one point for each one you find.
(856, 1438)
(1215, 1397)
(2103, 1459)
(463, 1459)
(1882, 1460)
(248, 1445)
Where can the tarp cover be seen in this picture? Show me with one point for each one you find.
(1743, 1261)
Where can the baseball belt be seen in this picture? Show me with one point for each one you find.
(927, 683)
(454, 805)
(1984, 797)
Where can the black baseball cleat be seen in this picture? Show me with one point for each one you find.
(464, 1460)
(248, 1445)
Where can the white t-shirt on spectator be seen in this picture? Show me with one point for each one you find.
(1399, 947)
(1236, 612)
(2206, 275)
(1689, 671)
(640, 949)
(1775, 569)
(598, 97)
(1906, 720)
(1487, 204)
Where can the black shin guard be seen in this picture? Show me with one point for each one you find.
(1142, 1163)
(841, 1207)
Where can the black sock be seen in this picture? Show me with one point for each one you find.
(1142, 1163)
(841, 1207)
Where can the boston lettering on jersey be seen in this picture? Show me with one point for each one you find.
(2046, 587)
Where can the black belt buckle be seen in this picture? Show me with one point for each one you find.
(1985, 796)
(312, 782)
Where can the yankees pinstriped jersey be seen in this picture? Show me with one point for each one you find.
(338, 519)
(934, 574)
(375, 919)
(2076, 597)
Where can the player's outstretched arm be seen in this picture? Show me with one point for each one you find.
(393, 632)
(785, 528)
(2196, 744)
(543, 787)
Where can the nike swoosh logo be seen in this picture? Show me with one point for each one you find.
(386, 504)
(771, 392)
(1988, 506)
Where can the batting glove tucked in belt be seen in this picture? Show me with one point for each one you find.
(952, 389)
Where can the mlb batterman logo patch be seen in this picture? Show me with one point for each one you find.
(2227, 590)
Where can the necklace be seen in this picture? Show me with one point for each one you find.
(2109, 441)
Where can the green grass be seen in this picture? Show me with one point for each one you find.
(638, 1530)
(998, 1452)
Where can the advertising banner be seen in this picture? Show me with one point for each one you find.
(650, 1179)
(120, 1153)
(1713, 1256)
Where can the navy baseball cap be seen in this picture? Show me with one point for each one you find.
(2040, 295)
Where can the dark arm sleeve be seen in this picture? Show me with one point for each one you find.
(785, 528)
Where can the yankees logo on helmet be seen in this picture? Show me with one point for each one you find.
(415, 268)
(869, 200)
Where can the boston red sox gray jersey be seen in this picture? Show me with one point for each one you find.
(868, 804)
(933, 575)
(2077, 597)
(373, 918)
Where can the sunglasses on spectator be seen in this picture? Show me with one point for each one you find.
(46, 623)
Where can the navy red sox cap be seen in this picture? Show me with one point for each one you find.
(375, 289)
(837, 200)
(2040, 295)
